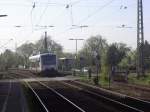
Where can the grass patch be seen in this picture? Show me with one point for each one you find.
(142, 80)
(103, 81)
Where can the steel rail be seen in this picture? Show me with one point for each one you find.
(37, 96)
(63, 97)
(56, 93)
(106, 98)
(124, 97)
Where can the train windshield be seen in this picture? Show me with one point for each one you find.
(48, 59)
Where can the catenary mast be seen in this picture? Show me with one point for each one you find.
(140, 39)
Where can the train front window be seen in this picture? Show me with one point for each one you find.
(48, 60)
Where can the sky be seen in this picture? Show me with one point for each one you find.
(103, 17)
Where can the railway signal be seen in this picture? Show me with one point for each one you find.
(98, 66)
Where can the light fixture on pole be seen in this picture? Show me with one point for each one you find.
(3, 15)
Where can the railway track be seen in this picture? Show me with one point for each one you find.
(17, 74)
(51, 100)
(134, 86)
(65, 94)
(21, 73)
(73, 96)
(134, 90)
(131, 102)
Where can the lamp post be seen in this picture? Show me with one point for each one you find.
(76, 40)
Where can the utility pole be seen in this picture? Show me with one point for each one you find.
(76, 40)
(140, 39)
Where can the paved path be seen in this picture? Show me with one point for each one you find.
(12, 97)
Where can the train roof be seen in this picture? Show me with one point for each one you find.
(34, 58)
(37, 57)
(47, 54)
(66, 58)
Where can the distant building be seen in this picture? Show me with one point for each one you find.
(66, 64)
